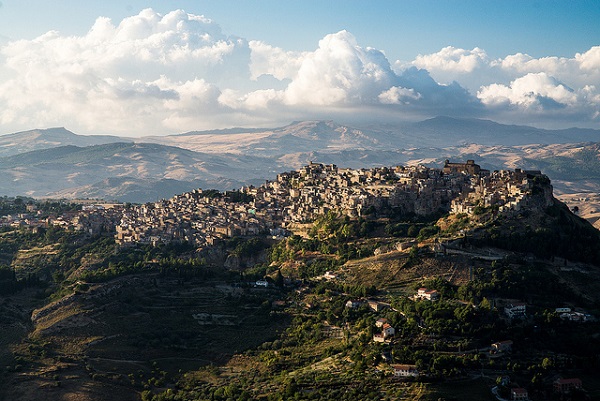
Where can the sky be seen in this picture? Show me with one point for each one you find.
(136, 68)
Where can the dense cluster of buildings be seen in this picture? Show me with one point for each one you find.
(508, 191)
(22, 220)
(315, 189)
(205, 217)
(197, 217)
(91, 219)
(294, 197)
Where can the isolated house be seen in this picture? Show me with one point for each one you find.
(388, 330)
(405, 370)
(519, 393)
(378, 338)
(376, 306)
(426, 293)
(403, 246)
(564, 386)
(515, 310)
(353, 304)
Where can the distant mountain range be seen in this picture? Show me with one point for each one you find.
(328, 136)
(453, 131)
(58, 163)
(38, 139)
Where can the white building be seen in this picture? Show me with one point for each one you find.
(405, 370)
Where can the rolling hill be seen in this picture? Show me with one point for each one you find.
(125, 171)
(37, 139)
(58, 163)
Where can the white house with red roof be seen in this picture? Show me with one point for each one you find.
(405, 370)
(426, 293)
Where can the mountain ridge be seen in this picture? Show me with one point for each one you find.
(38, 139)
(57, 162)
(440, 130)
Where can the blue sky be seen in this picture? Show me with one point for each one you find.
(403, 29)
(264, 63)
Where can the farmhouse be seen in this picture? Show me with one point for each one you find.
(565, 386)
(519, 393)
(425, 293)
(403, 370)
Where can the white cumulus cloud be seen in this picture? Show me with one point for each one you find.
(453, 59)
(269, 60)
(523, 84)
(590, 60)
(340, 72)
(538, 91)
(398, 95)
(155, 73)
(117, 77)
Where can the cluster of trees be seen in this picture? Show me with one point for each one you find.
(335, 253)
(292, 389)
(12, 206)
(167, 259)
(411, 230)
(236, 196)
(563, 234)
(246, 247)
(102, 258)
(337, 228)
(517, 279)
(338, 238)
(9, 284)
(355, 290)
(448, 317)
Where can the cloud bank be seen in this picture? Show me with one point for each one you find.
(157, 74)
(556, 90)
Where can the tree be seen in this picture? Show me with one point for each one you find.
(537, 380)
(347, 231)
(290, 388)
(412, 231)
(278, 279)
(485, 304)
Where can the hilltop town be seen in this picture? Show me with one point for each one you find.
(203, 217)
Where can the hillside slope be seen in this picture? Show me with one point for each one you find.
(127, 171)
(168, 325)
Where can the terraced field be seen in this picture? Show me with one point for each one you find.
(115, 339)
